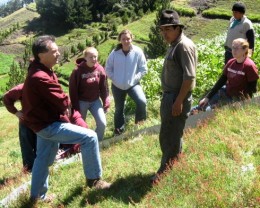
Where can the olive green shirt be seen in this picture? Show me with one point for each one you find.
(180, 64)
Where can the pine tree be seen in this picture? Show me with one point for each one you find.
(157, 46)
(73, 50)
(16, 75)
(66, 13)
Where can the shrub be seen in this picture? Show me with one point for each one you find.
(150, 83)
(66, 55)
(16, 75)
(80, 47)
(254, 17)
(217, 13)
(184, 11)
(125, 19)
(73, 50)
(88, 43)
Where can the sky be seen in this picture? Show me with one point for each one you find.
(3, 1)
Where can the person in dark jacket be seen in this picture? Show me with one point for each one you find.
(88, 83)
(27, 137)
(46, 110)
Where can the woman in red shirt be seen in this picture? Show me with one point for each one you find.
(238, 80)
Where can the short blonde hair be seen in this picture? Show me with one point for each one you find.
(89, 50)
(243, 43)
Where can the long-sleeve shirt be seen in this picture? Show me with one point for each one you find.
(11, 97)
(88, 84)
(126, 71)
(240, 79)
(44, 101)
(244, 29)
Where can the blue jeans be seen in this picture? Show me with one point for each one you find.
(48, 140)
(219, 99)
(138, 96)
(97, 111)
(28, 140)
(172, 127)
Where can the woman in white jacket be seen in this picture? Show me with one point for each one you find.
(125, 66)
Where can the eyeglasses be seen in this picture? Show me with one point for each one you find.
(236, 48)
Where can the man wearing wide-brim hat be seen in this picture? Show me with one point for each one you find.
(178, 81)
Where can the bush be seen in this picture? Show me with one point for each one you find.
(73, 50)
(151, 84)
(184, 11)
(80, 47)
(217, 13)
(16, 75)
(254, 17)
(88, 43)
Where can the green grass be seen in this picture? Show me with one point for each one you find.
(251, 6)
(5, 62)
(140, 28)
(4, 79)
(209, 174)
(195, 29)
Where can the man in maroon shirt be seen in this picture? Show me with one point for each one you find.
(27, 137)
(47, 111)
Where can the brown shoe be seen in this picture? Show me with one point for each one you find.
(47, 199)
(98, 184)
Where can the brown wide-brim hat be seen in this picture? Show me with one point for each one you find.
(169, 17)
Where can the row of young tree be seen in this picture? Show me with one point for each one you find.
(154, 49)
(8, 31)
(74, 13)
(12, 6)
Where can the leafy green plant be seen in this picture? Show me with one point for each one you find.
(185, 11)
(80, 47)
(16, 75)
(5, 62)
(151, 82)
(217, 13)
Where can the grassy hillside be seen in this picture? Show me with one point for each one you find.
(219, 167)
(196, 28)
(5, 62)
(221, 161)
(22, 16)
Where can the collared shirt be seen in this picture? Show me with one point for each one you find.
(180, 64)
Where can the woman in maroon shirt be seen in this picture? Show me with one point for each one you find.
(88, 83)
(239, 76)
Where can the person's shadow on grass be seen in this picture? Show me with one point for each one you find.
(130, 189)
